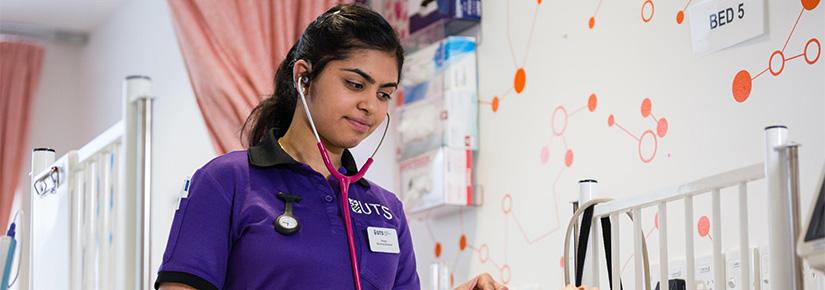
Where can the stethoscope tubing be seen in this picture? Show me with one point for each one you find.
(344, 182)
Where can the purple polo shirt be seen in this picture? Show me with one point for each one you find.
(223, 237)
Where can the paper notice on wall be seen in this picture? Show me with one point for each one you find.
(719, 24)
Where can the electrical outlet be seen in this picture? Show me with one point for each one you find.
(704, 273)
(764, 268)
(734, 269)
(759, 272)
(813, 280)
(733, 274)
(676, 269)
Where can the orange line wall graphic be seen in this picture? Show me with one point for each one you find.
(520, 75)
(646, 13)
(661, 130)
(743, 81)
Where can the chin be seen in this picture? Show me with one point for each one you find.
(348, 142)
(352, 143)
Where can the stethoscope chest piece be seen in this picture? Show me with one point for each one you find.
(286, 223)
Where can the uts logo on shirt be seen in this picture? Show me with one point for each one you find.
(370, 208)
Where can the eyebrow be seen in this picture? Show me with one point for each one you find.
(368, 77)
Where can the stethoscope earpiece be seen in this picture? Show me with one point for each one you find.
(302, 83)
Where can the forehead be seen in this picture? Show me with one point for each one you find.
(381, 65)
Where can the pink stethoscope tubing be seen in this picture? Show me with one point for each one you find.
(343, 181)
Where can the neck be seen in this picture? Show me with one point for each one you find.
(299, 142)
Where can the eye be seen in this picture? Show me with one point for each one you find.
(354, 85)
(384, 96)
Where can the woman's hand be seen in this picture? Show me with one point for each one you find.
(482, 282)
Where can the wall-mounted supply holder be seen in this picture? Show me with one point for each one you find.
(439, 182)
(439, 103)
(438, 127)
(433, 20)
(456, 15)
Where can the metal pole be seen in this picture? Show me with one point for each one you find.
(790, 153)
(780, 240)
(139, 98)
(145, 149)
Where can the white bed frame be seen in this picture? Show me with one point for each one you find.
(780, 171)
(86, 223)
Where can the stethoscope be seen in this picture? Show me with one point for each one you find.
(288, 224)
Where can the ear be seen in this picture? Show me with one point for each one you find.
(300, 74)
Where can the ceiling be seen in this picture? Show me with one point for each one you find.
(60, 15)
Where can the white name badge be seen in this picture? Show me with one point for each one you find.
(383, 240)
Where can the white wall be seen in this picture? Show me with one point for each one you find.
(57, 101)
(623, 60)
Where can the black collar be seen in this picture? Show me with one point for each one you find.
(268, 153)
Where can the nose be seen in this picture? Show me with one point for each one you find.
(368, 103)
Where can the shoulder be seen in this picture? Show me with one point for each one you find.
(227, 169)
(232, 162)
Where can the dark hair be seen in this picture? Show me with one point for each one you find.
(331, 36)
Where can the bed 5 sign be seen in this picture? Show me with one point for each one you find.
(719, 24)
(726, 16)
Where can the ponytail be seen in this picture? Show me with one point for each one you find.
(277, 110)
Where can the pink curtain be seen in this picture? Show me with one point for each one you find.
(231, 49)
(20, 66)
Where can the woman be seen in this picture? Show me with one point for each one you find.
(269, 217)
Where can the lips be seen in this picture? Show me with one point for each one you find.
(360, 125)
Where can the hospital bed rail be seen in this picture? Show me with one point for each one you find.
(103, 190)
(780, 172)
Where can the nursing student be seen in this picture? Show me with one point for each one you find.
(272, 216)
